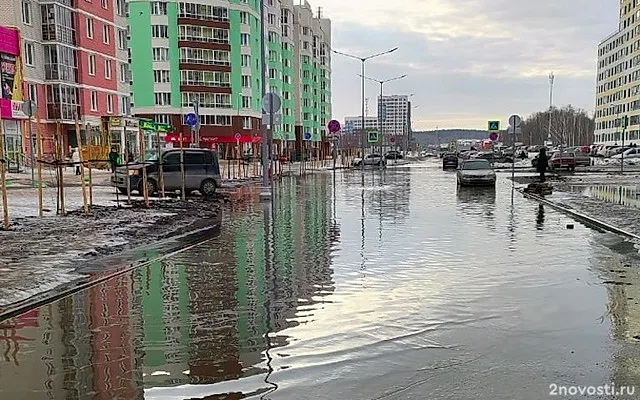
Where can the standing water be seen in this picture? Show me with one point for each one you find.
(378, 285)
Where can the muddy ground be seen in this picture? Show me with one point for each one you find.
(39, 254)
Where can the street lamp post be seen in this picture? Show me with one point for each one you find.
(382, 82)
(363, 60)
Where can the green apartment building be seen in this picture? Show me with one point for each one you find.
(210, 52)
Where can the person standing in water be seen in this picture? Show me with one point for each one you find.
(543, 163)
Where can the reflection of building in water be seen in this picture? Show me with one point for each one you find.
(115, 371)
(163, 297)
(79, 347)
(623, 195)
(624, 313)
(214, 306)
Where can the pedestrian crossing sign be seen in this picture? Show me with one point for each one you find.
(373, 136)
(494, 126)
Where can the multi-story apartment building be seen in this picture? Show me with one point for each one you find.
(395, 114)
(354, 124)
(196, 51)
(618, 90)
(74, 56)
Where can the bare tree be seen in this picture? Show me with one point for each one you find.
(569, 126)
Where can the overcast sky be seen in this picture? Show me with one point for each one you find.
(469, 60)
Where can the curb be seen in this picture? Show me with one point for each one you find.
(586, 219)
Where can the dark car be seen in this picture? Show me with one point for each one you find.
(201, 172)
(393, 155)
(450, 161)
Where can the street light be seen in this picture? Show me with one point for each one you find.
(381, 82)
(363, 60)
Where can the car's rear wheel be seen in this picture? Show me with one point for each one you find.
(208, 187)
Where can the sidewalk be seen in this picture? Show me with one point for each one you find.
(611, 198)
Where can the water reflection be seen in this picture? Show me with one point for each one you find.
(621, 195)
(214, 313)
(540, 217)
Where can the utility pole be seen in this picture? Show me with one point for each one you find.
(265, 194)
(195, 131)
(552, 78)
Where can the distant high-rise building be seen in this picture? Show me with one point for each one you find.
(354, 124)
(617, 90)
(395, 116)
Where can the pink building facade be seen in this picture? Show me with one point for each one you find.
(74, 61)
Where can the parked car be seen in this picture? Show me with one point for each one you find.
(476, 172)
(393, 155)
(201, 170)
(563, 160)
(633, 152)
(582, 159)
(370, 159)
(450, 161)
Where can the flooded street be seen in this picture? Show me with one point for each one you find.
(387, 285)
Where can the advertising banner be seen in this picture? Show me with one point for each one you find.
(8, 81)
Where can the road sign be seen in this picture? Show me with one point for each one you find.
(266, 119)
(238, 136)
(147, 125)
(392, 139)
(493, 126)
(372, 136)
(334, 126)
(453, 145)
(514, 124)
(271, 103)
(493, 136)
(191, 119)
(307, 136)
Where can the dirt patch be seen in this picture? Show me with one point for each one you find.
(38, 254)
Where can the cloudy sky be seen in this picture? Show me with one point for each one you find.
(469, 60)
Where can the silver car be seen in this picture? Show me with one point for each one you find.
(201, 173)
(476, 172)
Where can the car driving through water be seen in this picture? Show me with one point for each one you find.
(476, 172)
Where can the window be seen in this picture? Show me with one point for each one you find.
(193, 158)
(246, 60)
(245, 38)
(107, 69)
(158, 8)
(94, 100)
(121, 8)
(124, 73)
(125, 105)
(204, 12)
(223, 120)
(207, 100)
(246, 122)
(161, 76)
(104, 4)
(244, 17)
(109, 104)
(106, 34)
(90, 28)
(122, 39)
(162, 118)
(203, 34)
(162, 98)
(246, 81)
(205, 78)
(272, 19)
(160, 54)
(29, 54)
(26, 12)
(204, 56)
(33, 92)
(159, 31)
(92, 64)
(246, 102)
